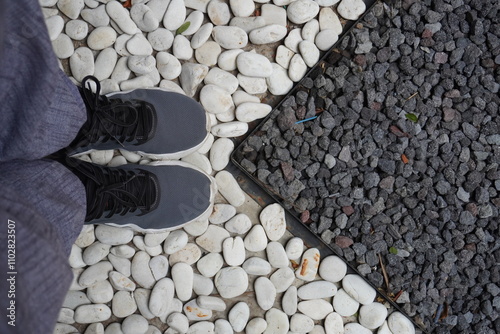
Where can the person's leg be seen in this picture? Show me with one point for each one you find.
(42, 110)
(42, 209)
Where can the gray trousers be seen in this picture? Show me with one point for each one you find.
(42, 204)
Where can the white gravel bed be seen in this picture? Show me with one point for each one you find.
(239, 271)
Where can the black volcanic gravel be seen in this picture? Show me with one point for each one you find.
(370, 181)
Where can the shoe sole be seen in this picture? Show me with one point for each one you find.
(201, 217)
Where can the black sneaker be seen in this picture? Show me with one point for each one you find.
(153, 122)
(147, 198)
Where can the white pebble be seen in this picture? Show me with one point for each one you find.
(231, 282)
(222, 213)
(161, 39)
(222, 79)
(268, 34)
(102, 158)
(123, 304)
(256, 266)
(178, 322)
(211, 303)
(272, 218)
(230, 37)
(121, 282)
(71, 8)
(100, 293)
(175, 241)
(355, 328)
(273, 14)
(222, 326)
(159, 7)
(191, 76)
(97, 17)
(123, 251)
(140, 270)
(194, 312)
(334, 324)
(289, 301)
(248, 23)
(227, 59)
(101, 38)
(351, 9)
(301, 11)
(210, 264)
(182, 275)
(86, 314)
(144, 17)
(279, 83)
(121, 16)
(256, 239)
(240, 97)
(310, 30)
(141, 64)
(136, 83)
(200, 5)
(95, 273)
(168, 66)
(309, 52)
(276, 255)
(282, 278)
(66, 316)
(218, 12)
(317, 309)
(138, 45)
(81, 63)
(332, 269)
(202, 35)
(265, 293)
(293, 39)
(238, 316)
(219, 156)
(233, 250)
(228, 186)
(372, 316)
(175, 15)
(297, 68)
(317, 290)
(121, 264)
(329, 20)
(134, 324)
(159, 266)
(105, 63)
(202, 286)
(142, 297)
(195, 20)
(55, 25)
(242, 8)
(309, 265)
(208, 53)
(359, 289)
(344, 304)
(283, 56)
(277, 322)
(256, 326)
(75, 257)
(294, 248)
(253, 65)
(301, 323)
(111, 235)
(400, 324)
(121, 71)
(212, 239)
(207, 144)
(86, 236)
(95, 253)
(189, 254)
(252, 85)
(196, 228)
(121, 45)
(161, 297)
(201, 327)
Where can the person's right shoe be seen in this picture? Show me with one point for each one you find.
(162, 196)
(152, 122)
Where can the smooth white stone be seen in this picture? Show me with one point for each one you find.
(168, 66)
(240, 97)
(268, 34)
(76, 29)
(123, 304)
(141, 64)
(310, 30)
(159, 266)
(191, 76)
(97, 17)
(138, 45)
(294, 248)
(77, 272)
(161, 296)
(123, 251)
(227, 59)
(208, 53)
(238, 316)
(284, 56)
(195, 19)
(86, 314)
(231, 129)
(154, 76)
(55, 25)
(207, 144)
(109, 86)
(142, 297)
(81, 63)
(256, 326)
(282, 279)
(64, 329)
(233, 250)
(239, 224)
(256, 239)
(49, 12)
(71, 8)
(144, 17)
(399, 324)
(301, 323)
(222, 326)
(276, 255)
(201, 36)
(384, 329)
(171, 86)
(332, 269)
(289, 301)
(317, 309)
(195, 312)
(372, 316)
(297, 68)
(86, 236)
(219, 158)
(189, 254)
(227, 184)
(211, 303)
(355, 328)
(66, 316)
(273, 14)
(201, 327)
(253, 65)
(351, 9)
(256, 266)
(95, 273)
(231, 282)
(317, 290)
(138, 241)
(230, 37)
(199, 160)
(47, 3)
(74, 299)
(218, 12)
(252, 85)
(318, 329)
(279, 2)
(310, 53)
(248, 23)
(242, 8)
(212, 239)
(344, 304)
(121, 282)
(103, 158)
(329, 20)
(359, 289)
(334, 324)
(101, 38)
(277, 322)
(175, 15)
(182, 275)
(178, 322)
(105, 63)
(272, 218)
(111, 235)
(326, 3)
(100, 293)
(161, 39)
(196, 228)
(75, 257)
(200, 5)
(293, 39)
(95, 328)
(175, 241)
(121, 264)
(121, 72)
(155, 239)
(202, 286)
(140, 270)
(121, 45)
(301, 11)
(134, 324)
(121, 16)
(265, 293)
(309, 265)
(222, 79)
(222, 212)
(226, 116)
(95, 253)
(159, 8)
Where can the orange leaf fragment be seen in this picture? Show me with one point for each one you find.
(404, 158)
(127, 4)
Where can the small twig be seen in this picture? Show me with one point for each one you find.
(412, 96)
(396, 297)
(384, 272)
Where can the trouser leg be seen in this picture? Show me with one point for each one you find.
(41, 109)
(42, 209)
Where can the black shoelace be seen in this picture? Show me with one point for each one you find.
(112, 118)
(113, 191)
